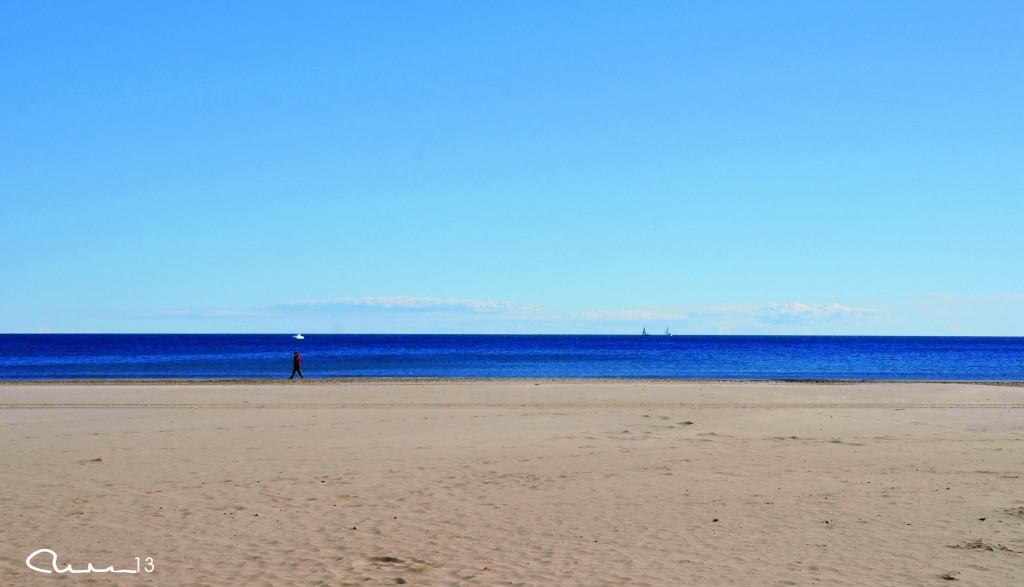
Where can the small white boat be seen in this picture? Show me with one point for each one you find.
(667, 333)
(299, 337)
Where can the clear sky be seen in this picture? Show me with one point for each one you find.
(521, 167)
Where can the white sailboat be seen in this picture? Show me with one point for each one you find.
(644, 333)
(667, 333)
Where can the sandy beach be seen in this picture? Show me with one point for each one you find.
(515, 483)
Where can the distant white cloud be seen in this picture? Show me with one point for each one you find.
(797, 313)
(738, 318)
(428, 314)
(415, 303)
(628, 315)
(775, 313)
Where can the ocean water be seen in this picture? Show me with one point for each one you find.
(229, 356)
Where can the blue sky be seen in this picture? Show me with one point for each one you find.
(521, 167)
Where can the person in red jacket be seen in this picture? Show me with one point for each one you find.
(297, 366)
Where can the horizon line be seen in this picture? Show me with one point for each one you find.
(291, 334)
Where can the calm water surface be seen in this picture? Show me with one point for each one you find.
(215, 356)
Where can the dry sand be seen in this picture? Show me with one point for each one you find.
(515, 483)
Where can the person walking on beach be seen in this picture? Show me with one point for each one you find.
(297, 366)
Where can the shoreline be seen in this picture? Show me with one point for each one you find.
(478, 380)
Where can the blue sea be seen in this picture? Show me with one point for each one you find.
(231, 356)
